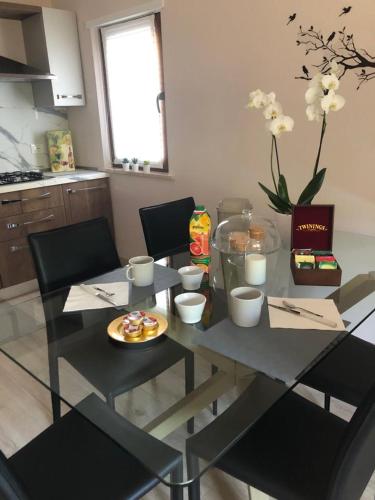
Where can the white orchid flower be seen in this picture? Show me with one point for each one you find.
(257, 99)
(316, 80)
(271, 97)
(272, 111)
(330, 82)
(281, 124)
(313, 112)
(313, 94)
(332, 102)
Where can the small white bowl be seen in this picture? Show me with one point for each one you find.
(190, 306)
(191, 277)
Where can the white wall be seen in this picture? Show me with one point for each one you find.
(215, 52)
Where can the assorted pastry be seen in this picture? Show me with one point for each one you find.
(139, 324)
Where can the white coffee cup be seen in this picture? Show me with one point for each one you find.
(246, 305)
(191, 277)
(190, 306)
(140, 270)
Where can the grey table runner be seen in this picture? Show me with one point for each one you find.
(164, 278)
(277, 352)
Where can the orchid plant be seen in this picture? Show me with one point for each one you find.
(321, 98)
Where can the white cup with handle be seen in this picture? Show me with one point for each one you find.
(140, 270)
(246, 305)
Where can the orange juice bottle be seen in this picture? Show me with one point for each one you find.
(200, 232)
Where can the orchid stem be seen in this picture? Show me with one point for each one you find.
(277, 156)
(272, 172)
(324, 124)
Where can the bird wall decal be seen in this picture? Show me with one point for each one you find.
(305, 70)
(345, 10)
(291, 18)
(331, 37)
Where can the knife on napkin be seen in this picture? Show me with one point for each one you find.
(91, 291)
(303, 314)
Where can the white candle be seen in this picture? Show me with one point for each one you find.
(255, 269)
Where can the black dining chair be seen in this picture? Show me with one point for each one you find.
(73, 459)
(345, 373)
(72, 254)
(166, 233)
(166, 227)
(299, 451)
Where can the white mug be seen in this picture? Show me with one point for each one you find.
(190, 306)
(191, 277)
(246, 305)
(140, 270)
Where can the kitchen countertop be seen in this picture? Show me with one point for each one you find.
(54, 179)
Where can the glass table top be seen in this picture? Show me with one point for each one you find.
(143, 399)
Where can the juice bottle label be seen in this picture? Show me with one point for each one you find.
(200, 231)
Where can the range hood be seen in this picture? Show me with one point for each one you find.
(14, 71)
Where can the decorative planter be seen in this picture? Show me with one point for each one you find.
(146, 169)
(125, 166)
(284, 226)
(135, 167)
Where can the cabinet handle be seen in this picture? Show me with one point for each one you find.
(7, 202)
(64, 96)
(41, 196)
(14, 225)
(18, 248)
(73, 191)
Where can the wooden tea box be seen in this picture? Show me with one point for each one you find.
(312, 229)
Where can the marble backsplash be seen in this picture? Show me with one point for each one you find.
(22, 124)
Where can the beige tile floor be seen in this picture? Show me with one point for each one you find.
(25, 410)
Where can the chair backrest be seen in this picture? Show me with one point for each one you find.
(10, 487)
(355, 462)
(74, 253)
(166, 227)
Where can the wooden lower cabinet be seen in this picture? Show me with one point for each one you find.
(33, 222)
(87, 200)
(16, 264)
(41, 209)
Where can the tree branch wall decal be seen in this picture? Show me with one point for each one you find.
(340, 49)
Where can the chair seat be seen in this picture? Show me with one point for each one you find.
(113, 369)
(74, 460)
(346, 373)
(272, 456)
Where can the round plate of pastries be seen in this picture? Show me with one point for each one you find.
(138, 329)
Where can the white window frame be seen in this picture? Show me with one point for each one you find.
(150, 7)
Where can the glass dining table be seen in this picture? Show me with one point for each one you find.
(246, 375)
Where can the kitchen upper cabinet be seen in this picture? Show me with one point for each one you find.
(52, 45)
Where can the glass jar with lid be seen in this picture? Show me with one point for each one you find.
(238, 236)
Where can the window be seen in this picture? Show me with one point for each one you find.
(134, 82)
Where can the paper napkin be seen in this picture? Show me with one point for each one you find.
(79, 300)
(282, 319)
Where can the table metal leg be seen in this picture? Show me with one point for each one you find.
(214, 369)
(189, 384)
(192, 463)
(177, 476)
(190, 405)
